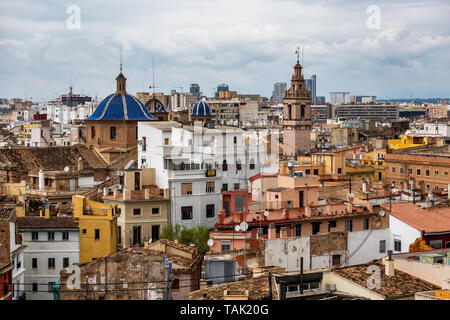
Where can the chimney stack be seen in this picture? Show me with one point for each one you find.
(349, 207)
(105, 192)
(272, 232)
(328, 210)
(221, 216)
(116, 193)
(286, 214)
(166, 193)
(80, 164)
(308, 211)
(147, 194)
(41, 180)
(389, 265)
(126, 194)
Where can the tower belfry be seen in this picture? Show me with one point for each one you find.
(297, 114)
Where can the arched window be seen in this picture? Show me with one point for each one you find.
(289, 109)
(238, 165)
(302, 111)
(224, 165)
(112, 133)
(252, 164)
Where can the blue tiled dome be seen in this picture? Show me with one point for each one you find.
(201, 109)
(121, 106)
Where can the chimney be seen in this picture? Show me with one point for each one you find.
(328, 210)
(349, 207)
(283, 233)
(364, 186)
(105, 192)
(221, 216)
(350, 197)
(240, 216)
(126, 194)
(286, 214)
(166, 194)
(80, 164)
(389, 265)
(147, 194)
(116, 193)
(308, 211)
(272, 232)
(41, 180)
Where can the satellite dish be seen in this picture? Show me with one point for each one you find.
(244, 226)
(210, 242)
(266, 213)
(237, 229)
(66, 169)
(382, 213)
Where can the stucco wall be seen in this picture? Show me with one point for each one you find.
(286, 253)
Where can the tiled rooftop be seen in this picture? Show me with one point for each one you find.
(258, 289)
(399, 285)
(26, 223)
(429, 220)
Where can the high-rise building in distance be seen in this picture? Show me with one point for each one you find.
(311, 86)
(195, 89)
(339, 97)
(278, 91)
(221, 88)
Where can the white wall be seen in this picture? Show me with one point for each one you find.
(286, 253)
(403, 232)
(370, 250)
(43, 249)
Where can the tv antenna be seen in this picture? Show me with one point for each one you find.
(153, 77)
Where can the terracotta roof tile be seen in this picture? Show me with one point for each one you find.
(46, 223)
(258, 289)
(399, 285)
(428, 220)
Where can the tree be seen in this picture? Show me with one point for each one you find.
(198, 235)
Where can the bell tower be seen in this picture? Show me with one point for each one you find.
(297, 115)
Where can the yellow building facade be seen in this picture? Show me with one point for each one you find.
(98, 228)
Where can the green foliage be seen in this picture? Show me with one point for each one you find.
(198, 235)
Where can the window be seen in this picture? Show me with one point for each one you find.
(418, 172)
(366, 224)
(316, 172)
(397, 245)
(226, 245)
(51, 263)
(65, 235)
(35, 287)
(51, 235)
(252, 164)
(331, 224)
(382, 246)
(50, 286)
(112, 133)
(155, 210)
(19, 263)
(339, 170)
(427, 173)
(225, 187)
(336, 260)
(166, 141)
(308, 171)
(210, 211)
(186, 189)
(239, 203)
(84, 231)
(235, 139)
(349, 225)
(119, 235)
(34, 263)
(315, 227)
(445, 174)
(92, 133)
(210, 186)
(436, 173)
(97, 234)
(298, 230)
(393, 169)
(34, 235)
(436, 244)
(65, 262)
(136, 211)
(236, 186)
(155, 232)
(186, 213)
(176, 284)
(238, 165)
(224, 165)
(402, 170)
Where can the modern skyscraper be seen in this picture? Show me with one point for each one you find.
(278, 91)
(195, 89)
(297, 115)
(311, 86)
(339, 97)
(221, 88)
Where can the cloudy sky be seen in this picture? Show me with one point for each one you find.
(247, 44)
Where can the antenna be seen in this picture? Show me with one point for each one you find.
(298, 54)
(153, 85)
(120, 58)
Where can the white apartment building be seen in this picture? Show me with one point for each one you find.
(64, 114)
(51, 245)
(196, 164)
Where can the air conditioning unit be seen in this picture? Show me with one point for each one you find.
(330, 287)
